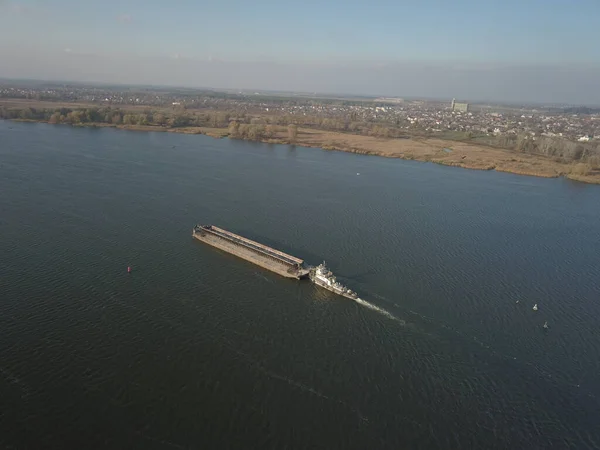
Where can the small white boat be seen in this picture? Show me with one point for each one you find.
(535, 308)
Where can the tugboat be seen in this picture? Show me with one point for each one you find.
(323, 277)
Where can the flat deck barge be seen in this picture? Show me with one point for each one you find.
(266, 257)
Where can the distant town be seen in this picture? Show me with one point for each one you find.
(413, 116)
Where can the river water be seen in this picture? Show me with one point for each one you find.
(198, 349)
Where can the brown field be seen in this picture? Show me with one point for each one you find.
(465, 155)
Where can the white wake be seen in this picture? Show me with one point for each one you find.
(382, 311)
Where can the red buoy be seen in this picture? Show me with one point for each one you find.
(128, 269)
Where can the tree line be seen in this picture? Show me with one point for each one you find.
(240, 126)
(555, 147)
(117, 116)
(263, 126)
(259, 131)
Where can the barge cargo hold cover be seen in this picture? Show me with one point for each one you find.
(254, 252)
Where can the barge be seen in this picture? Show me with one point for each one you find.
(266, 257)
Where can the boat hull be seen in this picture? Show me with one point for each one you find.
(324, 285)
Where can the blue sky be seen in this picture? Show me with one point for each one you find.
(36, 36)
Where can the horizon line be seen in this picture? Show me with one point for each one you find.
(314, 94)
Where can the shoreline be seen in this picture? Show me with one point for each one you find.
(439, 151)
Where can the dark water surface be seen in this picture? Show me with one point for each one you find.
(197, 349)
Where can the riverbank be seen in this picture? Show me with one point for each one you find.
(439, 151)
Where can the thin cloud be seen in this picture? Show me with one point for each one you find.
(79, 53)
(124, 18)
(19, 8)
